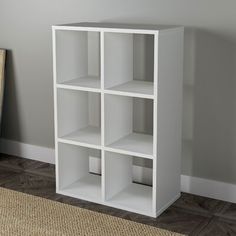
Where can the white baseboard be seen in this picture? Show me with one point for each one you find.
(208, 188)
(189, 184)
(28, 151)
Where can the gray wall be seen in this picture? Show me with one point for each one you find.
(209, 122)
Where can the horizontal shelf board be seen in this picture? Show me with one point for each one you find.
(135, 143)
(108, 149)
(135, 197)
(88, 188)
(89, 135)
(115, 27)
(134, 88)
(83, 83)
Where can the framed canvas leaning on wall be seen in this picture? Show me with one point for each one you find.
(2, 70)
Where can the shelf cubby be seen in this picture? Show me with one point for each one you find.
(120, 189)
(79, 117)
(129, 125)
(78, 59)
(75, 178)
(129, 64)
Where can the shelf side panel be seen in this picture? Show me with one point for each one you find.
(73, 164)
(72, 111)
(118, 58)
(72, 54)
(143, 57)
(143, 116)
(118, 172)
(118, 117)
(169, 119)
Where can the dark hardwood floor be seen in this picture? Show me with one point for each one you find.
(191, 215)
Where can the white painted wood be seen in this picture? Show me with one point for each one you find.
(94, 109)
(128, 94)
(118, 59)
(143, 66)
(143, 116)
(129, 63)
(102, 116)
(115, 27)
(112, 26)
(87, 188)
(128, 124)
(90, 135)
(71, 55)
(73, 164)
(155, 121)
(169, 117)
(118, 117)
(118, 89)
(74, 171)
(114, 180)
(120, 189)
(79, 116)
(78, 56)
(135, 87)
(135, 143)
(54, 52)
(76, 143)
(87, 81)
(135, 197)
(72, 111)
(93, 54)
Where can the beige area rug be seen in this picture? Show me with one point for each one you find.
(23, 214)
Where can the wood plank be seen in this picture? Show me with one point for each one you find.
(2, 79)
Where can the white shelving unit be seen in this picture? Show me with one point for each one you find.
(118, 105)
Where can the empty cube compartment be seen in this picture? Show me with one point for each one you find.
(79, 115)
(121, 189)
(129, 125)
(75, 178)
(78, 58)
(129, 63)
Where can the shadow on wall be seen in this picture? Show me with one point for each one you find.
(10, 128)
(209, 121)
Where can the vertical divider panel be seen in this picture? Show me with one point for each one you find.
(102, 113)
(155, 74)
(55, 105)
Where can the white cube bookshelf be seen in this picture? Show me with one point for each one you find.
(118, 106)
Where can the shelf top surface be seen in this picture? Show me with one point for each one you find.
(104, 25)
